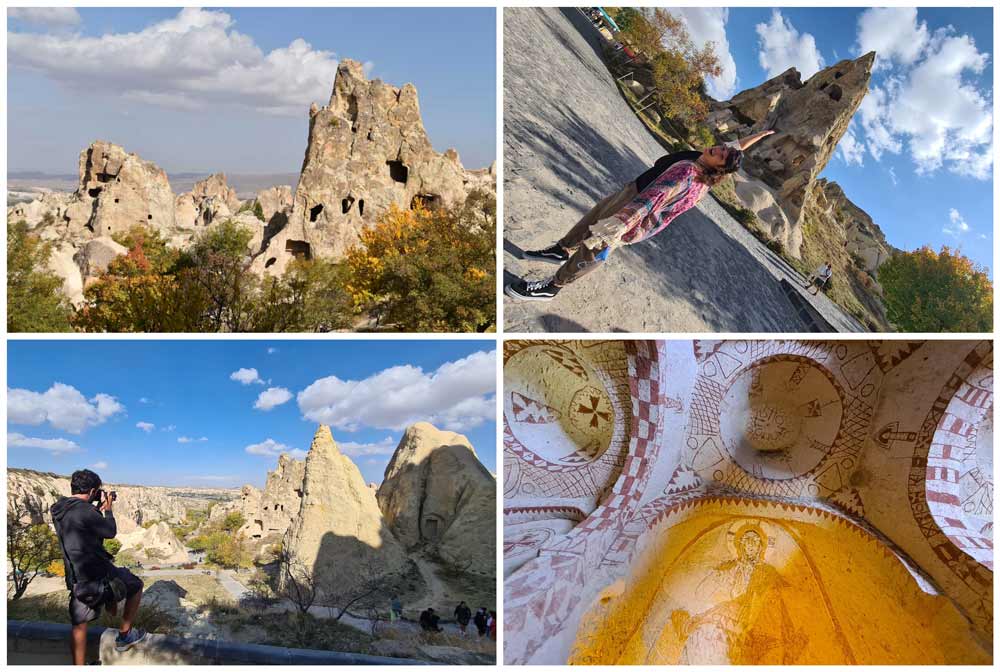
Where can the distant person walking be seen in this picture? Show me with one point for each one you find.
(83, 521)
(820, 277)
(481, 621)
(493, 624)
(463, 615)
(395, 609)
(644, 207)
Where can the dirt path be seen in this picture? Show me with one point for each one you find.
(569, 140)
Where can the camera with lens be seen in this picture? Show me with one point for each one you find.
(99, 496)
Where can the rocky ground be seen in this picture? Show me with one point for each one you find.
(569, 140)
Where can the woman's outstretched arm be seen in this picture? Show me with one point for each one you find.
(751, 139)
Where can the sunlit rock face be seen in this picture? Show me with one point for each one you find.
(436, 497)
(779, 502)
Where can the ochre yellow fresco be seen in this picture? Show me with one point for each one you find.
(732, 581)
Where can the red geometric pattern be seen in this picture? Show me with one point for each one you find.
(540, 597)
(951, 451)
(530, 411)
(929, 493)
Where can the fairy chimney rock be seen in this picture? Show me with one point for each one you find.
(367, 150)
(338, 532)
(437, 495)
(809, 119)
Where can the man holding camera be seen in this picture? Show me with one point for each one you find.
(83, 521)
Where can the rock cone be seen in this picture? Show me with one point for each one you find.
(339, 530)
(437, 495)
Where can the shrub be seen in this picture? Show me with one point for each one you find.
(928, 291)
(35, 298)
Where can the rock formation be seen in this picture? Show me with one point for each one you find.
(437, 496)
(863, 237)
(117, 191)
(367, 149)
(156, 544)
(269, 512)
(810, 119)
(37, 491)
(338, 534)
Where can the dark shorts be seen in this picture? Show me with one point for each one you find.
(81, 613)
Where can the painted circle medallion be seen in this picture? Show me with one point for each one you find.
(779, 418)
(555, 404)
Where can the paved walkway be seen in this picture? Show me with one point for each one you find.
(569, 140)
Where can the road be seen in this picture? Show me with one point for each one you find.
(569, 140)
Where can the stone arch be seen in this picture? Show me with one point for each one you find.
(975, 575)
(959, 479)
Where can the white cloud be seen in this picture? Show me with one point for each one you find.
(958, 226)
(850, 149)
(246, 377)
(271, 351)
(271, 448)
(458, 395)
(196, 59)
(62, 406)
(893, 33)
(708, 24)
(145, 426)
(55, 446)
(892, 176)
(783, 47)
(53, 17)
(931, 105)
(144, 400)
(99, 465)
(386, 446)
(271, 397)
(168, 428)
(188, 439)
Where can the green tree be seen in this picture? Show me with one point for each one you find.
(229, 551)
(680, 68)
(35, 298)
(143, 290)
(312, 296)
(233, 521)
(220, 272)
(31, 549)
(429, 270)
(928, 291)
(112, 546)
(625, 17)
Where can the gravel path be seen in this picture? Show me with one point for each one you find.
(569, 140)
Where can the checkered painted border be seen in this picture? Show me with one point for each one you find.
(944, 458)
(978, 578)
(539, 598)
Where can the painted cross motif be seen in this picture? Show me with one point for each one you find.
(592, 406)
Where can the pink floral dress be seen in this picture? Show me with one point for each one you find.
(652, 210)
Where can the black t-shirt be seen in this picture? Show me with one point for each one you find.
(661, 165)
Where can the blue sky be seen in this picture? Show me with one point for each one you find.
(913, 162)
(229, 89)
(217, 413)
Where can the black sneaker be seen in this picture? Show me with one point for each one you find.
(552, 254)
(542, 290)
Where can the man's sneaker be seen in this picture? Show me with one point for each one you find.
(125, 642)
(543, 290)
(552, 254)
